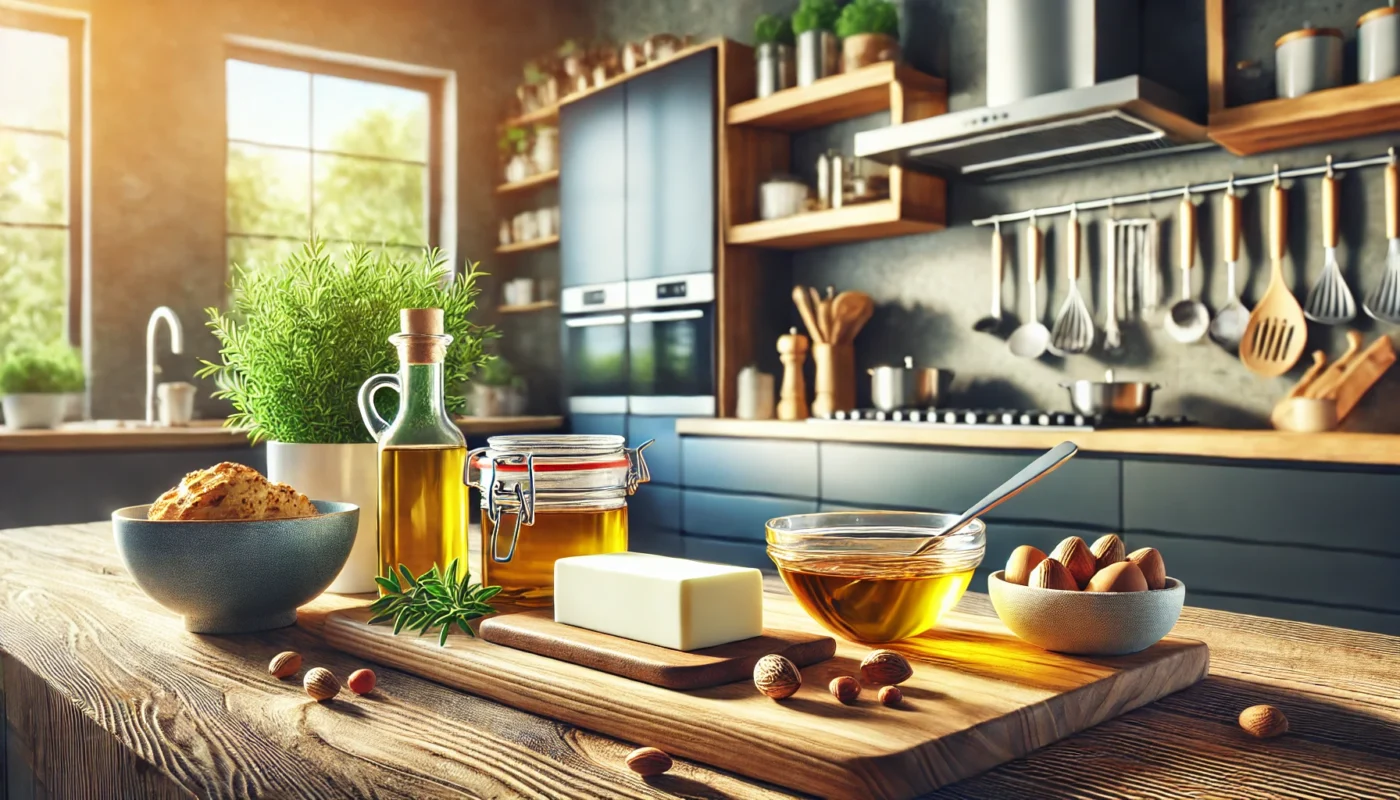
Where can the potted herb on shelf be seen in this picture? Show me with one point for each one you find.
(573, 59)
(498, 391)
(35, 381)
(543, 83)
(514, 144)
(869, 31)
(299, 340)
(772, 33)
(813, 23)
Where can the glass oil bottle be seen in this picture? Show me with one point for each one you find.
(422, 502)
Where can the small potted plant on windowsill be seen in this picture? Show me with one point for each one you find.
(813, 23)
(772, 35)
(299, 340)
(35, 382)
(869, 31)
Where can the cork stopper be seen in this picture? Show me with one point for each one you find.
(421, 320)
(424, 341)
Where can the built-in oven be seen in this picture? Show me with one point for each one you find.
(595, 348)
(670, 345)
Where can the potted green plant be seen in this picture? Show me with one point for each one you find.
(35, 381)
(301, 337)
(573, 59)
(514, 144)
(497, 391)
(772, 35)
(869, 31)
(814, 23)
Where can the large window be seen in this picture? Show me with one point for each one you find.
(40, 286)
(344, 152)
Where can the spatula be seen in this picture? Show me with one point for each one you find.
(1276, 333)
(1383, 302)
(1330, 301)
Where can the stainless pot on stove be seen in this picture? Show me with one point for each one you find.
(893, 388)
(1111, 398)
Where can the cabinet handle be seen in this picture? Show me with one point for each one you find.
(668, 316)
(594, 322)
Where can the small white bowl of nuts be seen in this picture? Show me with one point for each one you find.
(1087, 599)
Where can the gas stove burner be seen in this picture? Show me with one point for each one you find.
(1003, 418)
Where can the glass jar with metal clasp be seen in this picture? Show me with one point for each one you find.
(544, 498)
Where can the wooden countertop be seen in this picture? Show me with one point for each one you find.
(97, 675)
(1261, 445)
(208, 433)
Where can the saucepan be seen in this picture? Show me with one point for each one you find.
(1111, 398)
(893, 388)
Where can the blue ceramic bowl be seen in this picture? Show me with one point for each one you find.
(236, 576)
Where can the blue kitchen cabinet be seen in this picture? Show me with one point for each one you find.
(593, 189)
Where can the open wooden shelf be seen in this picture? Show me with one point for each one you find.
(539, 305)
(533, 244)
(878, 87)
(545, 114)
(853, 223)
(1346, 112)
(684, 52)
(534, 181)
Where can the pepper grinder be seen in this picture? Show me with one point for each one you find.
(792, 350)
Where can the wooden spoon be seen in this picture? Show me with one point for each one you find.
(822, 334)
(846, 310)
(1328, 381)
(1276, 333)
(1319, 361)
(804, 307)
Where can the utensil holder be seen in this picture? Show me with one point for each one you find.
(1305, 414)
(835, 381)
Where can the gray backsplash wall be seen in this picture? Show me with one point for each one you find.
(931, 288)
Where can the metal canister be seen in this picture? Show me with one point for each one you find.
(775, 67)
(818, 55)
(1307, 60)
(1378, 44)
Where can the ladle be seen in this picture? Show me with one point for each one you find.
(1032, 338)
(1188, 319)
(1037, 469)
(1228, 326)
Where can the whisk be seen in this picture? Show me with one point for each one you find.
(1074, 327)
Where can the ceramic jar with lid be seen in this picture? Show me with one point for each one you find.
(1307, 60)
(1378, 44)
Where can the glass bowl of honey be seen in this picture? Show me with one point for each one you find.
(851, 572)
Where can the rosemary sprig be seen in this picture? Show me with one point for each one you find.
(435, 599)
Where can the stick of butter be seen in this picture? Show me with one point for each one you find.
(671, 602)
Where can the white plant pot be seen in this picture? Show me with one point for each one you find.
(34, 410)
(348, 473)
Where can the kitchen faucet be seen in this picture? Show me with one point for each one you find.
(177, 345)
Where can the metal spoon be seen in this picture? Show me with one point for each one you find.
(992, 322)
(1188, 319)
(1228, 326)
(1032, 338)
(1037, 469)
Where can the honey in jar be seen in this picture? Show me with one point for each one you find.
(544, 498)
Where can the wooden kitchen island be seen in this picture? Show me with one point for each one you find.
(105, 695)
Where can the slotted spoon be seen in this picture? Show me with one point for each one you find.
(1074, 328)
(1228, 326)
(1383, 302)
(1330, 301)
(1276, 333)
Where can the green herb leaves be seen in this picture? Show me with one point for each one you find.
(41, 369)
(435, 599)
(302, 336)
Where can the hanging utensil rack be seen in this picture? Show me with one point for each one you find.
(1196, 188)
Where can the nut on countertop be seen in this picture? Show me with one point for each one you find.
(891, 696)
(776, 676)
(321, 684)
(1264, 721)
(648, 761)
(845, 688)
(885, 668)
(284, 664)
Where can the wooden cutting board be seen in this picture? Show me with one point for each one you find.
(979, 697)
(537, 632)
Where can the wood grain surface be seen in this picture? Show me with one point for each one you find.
(1333, 447)
(96, 674)
(978, 697)
(537, 632)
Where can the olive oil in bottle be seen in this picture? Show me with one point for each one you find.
(422, 507)
(422, 502)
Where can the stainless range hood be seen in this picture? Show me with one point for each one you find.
(1119, 119)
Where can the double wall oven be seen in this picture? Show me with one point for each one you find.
(641, 347)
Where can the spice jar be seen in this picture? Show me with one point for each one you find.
(544, 498)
